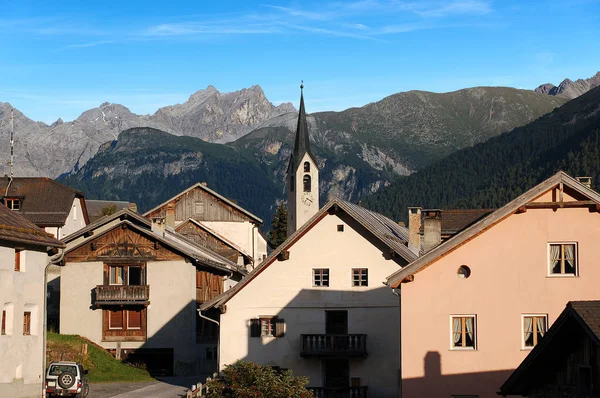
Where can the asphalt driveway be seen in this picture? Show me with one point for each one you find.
(166, 387)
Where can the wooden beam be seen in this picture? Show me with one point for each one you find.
(408, 278)
(521, 209)
(555, 205)
(560, 195)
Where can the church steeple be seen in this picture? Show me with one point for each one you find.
(302, 175)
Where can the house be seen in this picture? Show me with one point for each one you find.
(316, 304)
(100, 208)
(474, 306)
(565, 362)
(25, 252)
(217, 213)
(132, 286)
(55, 207)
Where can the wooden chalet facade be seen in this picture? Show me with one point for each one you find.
(220, 223)
(146, 282)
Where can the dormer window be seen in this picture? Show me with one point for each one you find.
(13, 203)
(306, 183)
(306, 167)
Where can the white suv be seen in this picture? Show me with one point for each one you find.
(66, 379)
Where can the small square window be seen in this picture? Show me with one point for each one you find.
(321, 277)
(563, 259)
(463, 332)
(360, 277)
(340, 228)
(534, 328)
(13, 203)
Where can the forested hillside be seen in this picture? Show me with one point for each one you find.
(495, 172)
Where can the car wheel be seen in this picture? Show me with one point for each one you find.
(66, 379)
(86, 391)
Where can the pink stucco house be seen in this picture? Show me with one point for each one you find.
(474, 306)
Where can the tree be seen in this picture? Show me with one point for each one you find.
(247, 379)
(109, 210)
(278, 233)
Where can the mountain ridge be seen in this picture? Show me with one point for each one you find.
(568, 88)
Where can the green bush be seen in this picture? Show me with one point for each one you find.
(249, 380)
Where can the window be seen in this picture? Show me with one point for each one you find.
(360, 277)
(125, 319)
(3, 330)
(26, 323)
(306, 183)
(115, 320)
(340, 228)
(563, 259)
(13, 203)
(306, 167)
(199, 208)
(534, 328)
(463, 332)
(267, 326)
(321, 277)
(135, 276)
(124, 324)
(18, 260)
(116, 275)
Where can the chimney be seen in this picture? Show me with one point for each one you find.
(432, 228)
(158, 225)
(414, 228)
(587, 181)
(132, 207)
(204, 183)
(170, 217)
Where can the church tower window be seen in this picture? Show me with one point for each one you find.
(306, 167)
(306, 181)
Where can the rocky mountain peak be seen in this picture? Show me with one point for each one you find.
(570, 89)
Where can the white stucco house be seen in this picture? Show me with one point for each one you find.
(133, 286)
(25, 252)
(317, 305)
(214, 212)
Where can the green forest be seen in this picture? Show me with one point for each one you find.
(490, 174)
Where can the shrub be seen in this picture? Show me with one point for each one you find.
(249, 380)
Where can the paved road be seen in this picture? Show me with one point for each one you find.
(167, 387)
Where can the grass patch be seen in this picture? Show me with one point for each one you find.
(102, 366)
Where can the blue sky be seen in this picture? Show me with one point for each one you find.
(57, 60)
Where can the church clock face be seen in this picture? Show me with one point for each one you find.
(307, 199)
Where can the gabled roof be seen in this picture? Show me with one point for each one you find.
(215, 194)
(484, 224)
(95, 207)
(385, 230)
(44, 201)
(302, 141)
(170, 239)
(216, 235)
(586, 315)
(17, 229)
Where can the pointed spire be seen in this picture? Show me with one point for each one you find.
(302, 143)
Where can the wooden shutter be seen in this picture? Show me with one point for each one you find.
(279, 327)
(17, 260)
(116, 319)
(3, 332)
(134, 319)
(27, 323)
(254, 327)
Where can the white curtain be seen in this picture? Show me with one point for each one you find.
(555, 259)
(456, 329)
(570, 258)
(541, 325)
(528, 323)
(470, 331)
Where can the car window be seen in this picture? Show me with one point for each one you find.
(56, 370)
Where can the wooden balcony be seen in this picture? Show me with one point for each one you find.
(330, 345)
(343, 392)
(122, 294)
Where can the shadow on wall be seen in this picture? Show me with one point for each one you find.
(435, 384)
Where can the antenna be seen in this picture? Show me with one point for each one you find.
(12, 143)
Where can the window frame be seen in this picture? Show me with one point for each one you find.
(321, 273)
(475, 332)
(531, 315)
(18, 260)
(360, 279)
(307, 167)
(12, 202)
(4, 315)
(271, 323)
(549, 254)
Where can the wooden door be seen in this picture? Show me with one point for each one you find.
(337, 373)
(336, 322)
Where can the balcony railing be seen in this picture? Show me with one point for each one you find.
(343, 392)
(122, 294)
(334, 345)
